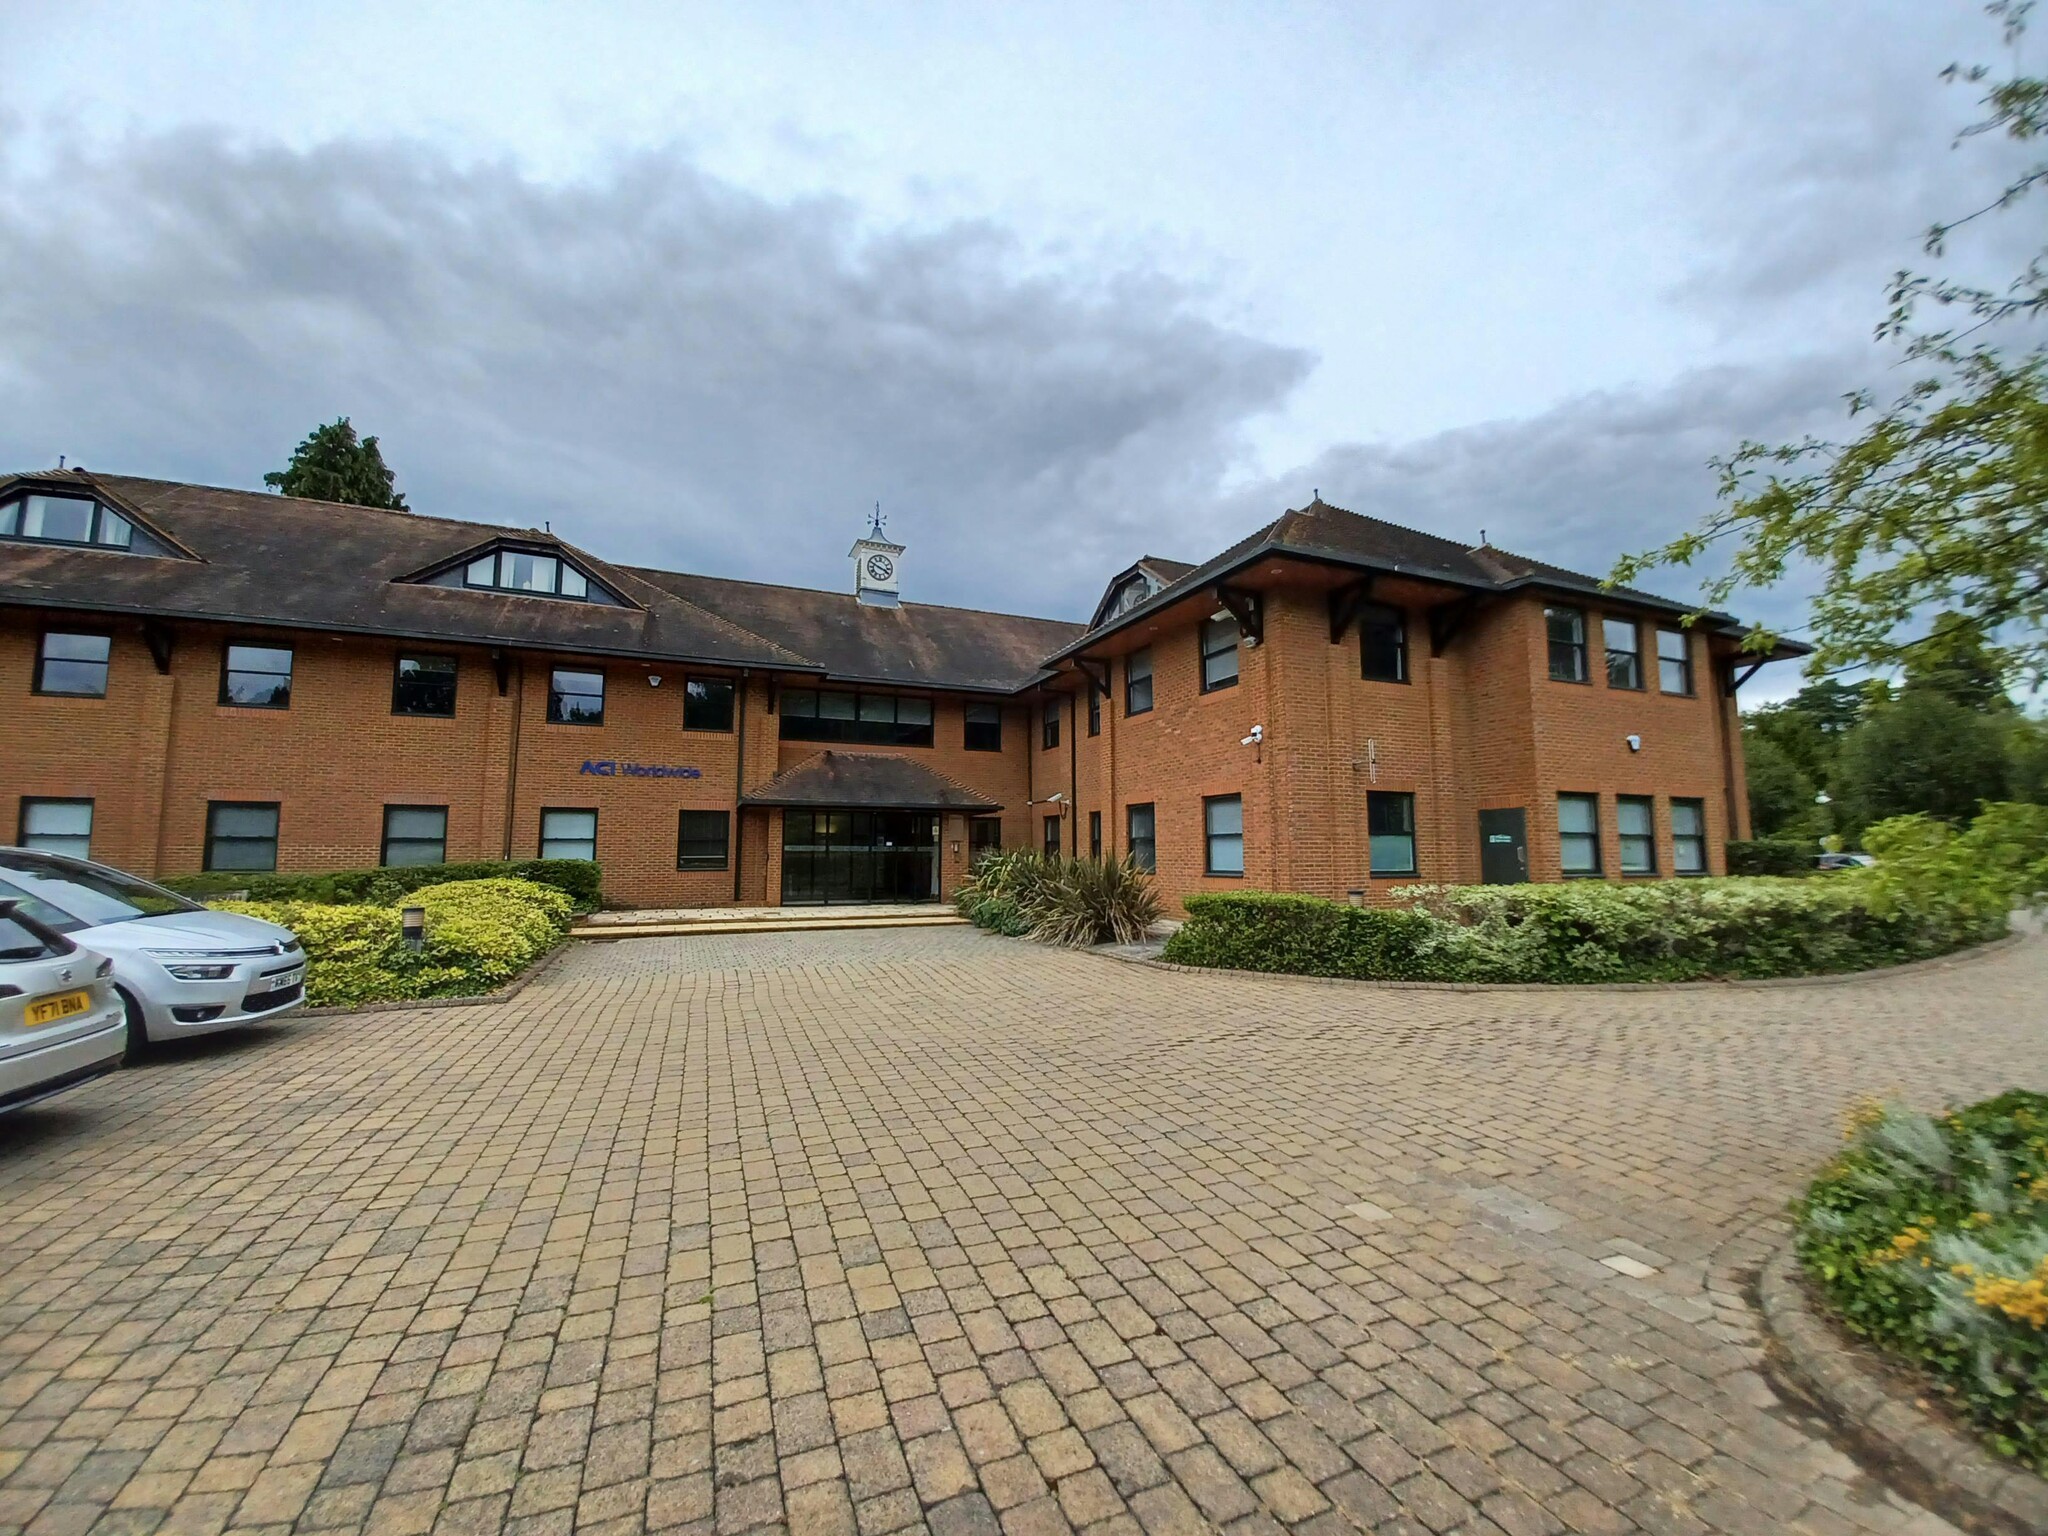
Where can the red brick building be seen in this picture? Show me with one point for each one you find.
(208, 678)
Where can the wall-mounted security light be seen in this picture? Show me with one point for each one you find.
(1635, 743)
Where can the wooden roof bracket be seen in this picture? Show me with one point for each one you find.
(1248, 608)
(1733, 682)
(1097, 673)
(502, 665)
(1448, 620)
(157, 637)
(1346, 603)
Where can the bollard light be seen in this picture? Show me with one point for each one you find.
(414, 922)
(1355, 897)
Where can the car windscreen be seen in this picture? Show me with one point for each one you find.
(72, 896)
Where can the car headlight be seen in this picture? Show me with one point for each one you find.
(199, 972)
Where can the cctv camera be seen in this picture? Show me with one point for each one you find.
(654, 680)
(1258, 735)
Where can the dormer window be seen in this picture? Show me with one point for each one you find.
(1128, 596)
(520, 570)
(79, 520)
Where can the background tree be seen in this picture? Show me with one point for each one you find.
(333, 464)
(1940, 504)
(1920, 752)
(1780, 793)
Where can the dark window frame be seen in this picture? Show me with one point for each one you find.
(1049, 726)
(1375, 797)
(1576, 649)
(384, 844)
(398, 682)
(1210, 835)
(496, 555)
(276, 838)
(732, 701)
(969, 725)
(1634, 654)
(28, 801)
(1679, 840)
(556, 693)
(1599, 869)
(1052, 838)
(541, 840)
(1683, 661)
(1204, 654)
(1131, 681)
(1624, 837)
(228, 669)
(10, 527)
(1373, 619)
(43, 660)
(1149, 843)
(701, 860)
(1095, 834)
(1094, 709)
(858, 725)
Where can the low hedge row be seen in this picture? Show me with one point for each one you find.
(580, 878)
(480, 934)
(1928, 1235)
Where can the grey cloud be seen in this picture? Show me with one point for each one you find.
(670, 369)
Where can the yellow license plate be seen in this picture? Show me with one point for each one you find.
(58, 1005)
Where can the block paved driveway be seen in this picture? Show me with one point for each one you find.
(851, 1231)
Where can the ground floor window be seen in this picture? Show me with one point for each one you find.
(703, 839)
(1139, 838)
(1223, 832)
(415, 834)
(984, 836)
(568, 834)
(1578, 834)
(1689, 837)
(1390, 830)
(1635, 818)
(859, 855)
(1052, 837)
(1095, 834)
(57, 826)
(241, 834)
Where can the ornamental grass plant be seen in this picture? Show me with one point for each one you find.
(1072, 902)
(1928, 1236)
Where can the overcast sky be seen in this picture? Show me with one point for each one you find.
(1059, 285)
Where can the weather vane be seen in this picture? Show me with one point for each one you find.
(875, 532)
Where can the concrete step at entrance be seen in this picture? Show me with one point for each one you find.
(662, 928)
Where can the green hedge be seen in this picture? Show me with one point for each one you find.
(480, 934)
(1583, 931)
(1928, 1235)
(387, 883)
(1771, 856)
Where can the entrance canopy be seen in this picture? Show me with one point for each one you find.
(868, 781)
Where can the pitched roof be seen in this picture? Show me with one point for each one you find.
(916, 644)
(876, 780)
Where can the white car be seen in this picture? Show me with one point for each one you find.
(61, 1023)
(178, 968)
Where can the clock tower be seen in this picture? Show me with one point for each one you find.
(874, 566)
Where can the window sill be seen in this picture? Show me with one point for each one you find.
(1625, 688)
(1585, 874)
(1222, 874)
(702, 869)
(59, 693)
(1411, 874)
(1575, 682)
(1217, 688)
(586, 724)
(1401, 682)
(709, 730)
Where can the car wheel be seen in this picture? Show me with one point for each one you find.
(138, 1032)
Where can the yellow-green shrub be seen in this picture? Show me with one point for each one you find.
(480, 934)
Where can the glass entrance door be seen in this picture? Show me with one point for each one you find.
(846, 856)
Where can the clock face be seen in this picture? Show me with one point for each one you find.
(881, 567)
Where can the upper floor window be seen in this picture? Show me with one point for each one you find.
(523, 570)
(876, 719)
(423, 685)
(707, 704)
(984, 729)
(1383, 643)
(1624, 644)
(1138, 682)
(1566, 629)
(73, 664)
(575, 698)
(1674, 661)
(256, 676)
(1219, 653)
(1049, 724)
(65, 520)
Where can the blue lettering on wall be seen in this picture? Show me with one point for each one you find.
(611, 768)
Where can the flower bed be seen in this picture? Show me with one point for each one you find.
(1928, 1236)
(480, 934)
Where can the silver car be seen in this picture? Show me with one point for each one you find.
(61, 1022)
(178, 968)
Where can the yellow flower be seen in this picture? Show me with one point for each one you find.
(1903, 1242)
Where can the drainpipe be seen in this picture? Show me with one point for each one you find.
(739, 783)
(512, 769)
(1074, 776)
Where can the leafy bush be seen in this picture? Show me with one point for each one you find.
(1771, 856)
(2000, 863)
(580, 878)
(480, 934)
(1928, 1235)
(1056, 900)
(1580, 931)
